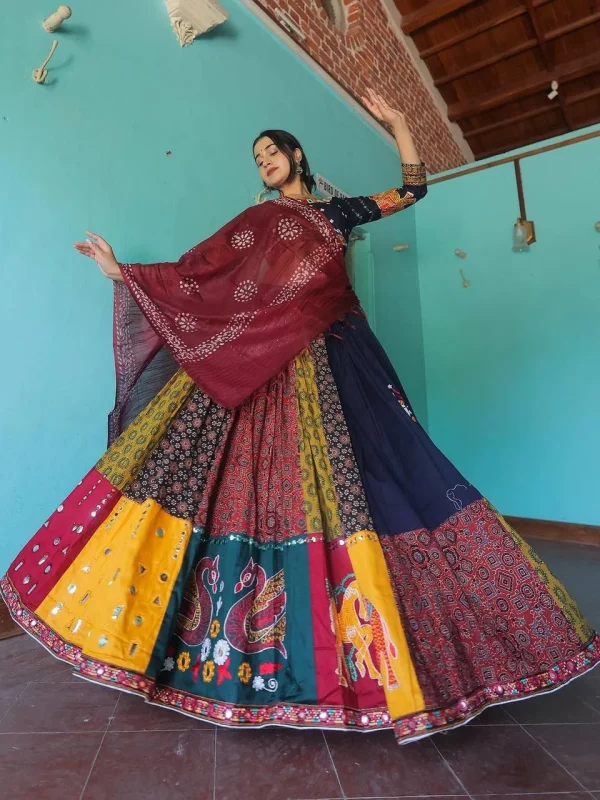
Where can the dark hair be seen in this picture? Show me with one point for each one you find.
(287, 144)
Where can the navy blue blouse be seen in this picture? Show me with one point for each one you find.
(345, 213)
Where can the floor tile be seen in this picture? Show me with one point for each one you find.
(588, 689)
(576, 747)
(274, 764)
(564, 705)
(494, 716)
(157, 765)
(133, 714)
(22, 660)
(370, 765)
(503, 760)
(549, 796)
(65, 707)
(46, 767)
(61, 674)
(8, 697)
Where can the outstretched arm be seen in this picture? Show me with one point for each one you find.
(361, 210)
(99, 250)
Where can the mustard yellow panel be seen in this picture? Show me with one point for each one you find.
(126, 456)
(112, 600)
(389, 659)
(555, 588)
(320, 497)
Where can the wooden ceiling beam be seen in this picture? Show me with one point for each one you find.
(528, 44)
(523, 117)
(432, 12)
(573, 26)
(530, 84)
(548, 135)
(543, 44)
(587, 94)
(580, 97)
(514, 144)
(489, 24)
(547, 55)
(523, 47)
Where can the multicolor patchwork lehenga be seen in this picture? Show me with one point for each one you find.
(301, 557)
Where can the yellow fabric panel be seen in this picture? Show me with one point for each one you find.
(392, 661)
(320, 497)
(126, 456)
(566, 603)
(112, 599)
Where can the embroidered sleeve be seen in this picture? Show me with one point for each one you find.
(361, 210)
(414, 187)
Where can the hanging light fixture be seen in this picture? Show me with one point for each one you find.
(524, 229)
(520, 243)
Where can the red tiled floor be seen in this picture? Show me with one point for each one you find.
(567, 705)
(133, 714)
(274, 764)
(8, 697)
(567, 796)
(35, 766)
(494, 716)
(63, 707)
(503, 759)
(25, 660)
(576, 747)
(162, 765)
(370, 765)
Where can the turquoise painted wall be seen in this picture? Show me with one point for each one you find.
(513, 388)
(87, 150)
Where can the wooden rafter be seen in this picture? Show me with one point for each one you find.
(523, 47)
(539, 33)
(530, 84)
(432, 12)
(580, 97)
(489, 24)
(563, 30)
(546, 55)
(505, 121)
(523, 142)
(572, 100)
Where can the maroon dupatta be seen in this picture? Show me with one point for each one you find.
(233, 310)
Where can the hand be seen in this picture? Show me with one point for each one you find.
(382, 111)
(96, 248)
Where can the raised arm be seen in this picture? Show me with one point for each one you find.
(362, 210)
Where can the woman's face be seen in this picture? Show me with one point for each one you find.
(273, 166)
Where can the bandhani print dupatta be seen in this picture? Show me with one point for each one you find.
(232, 311)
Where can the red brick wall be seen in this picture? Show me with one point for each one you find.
(366, 52)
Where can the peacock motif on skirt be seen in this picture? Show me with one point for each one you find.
(196, 610)
(256, 622)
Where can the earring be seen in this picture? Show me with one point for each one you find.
(299, 169)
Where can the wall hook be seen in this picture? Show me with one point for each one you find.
(41, 73)
(54, 21)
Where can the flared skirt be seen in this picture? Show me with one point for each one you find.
(307, 559)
